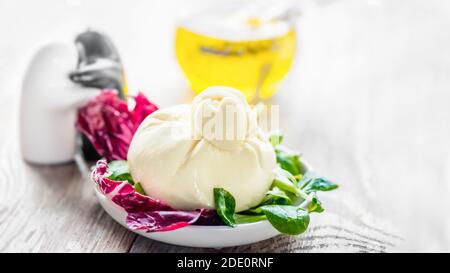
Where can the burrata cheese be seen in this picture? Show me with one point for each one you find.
(181, 153)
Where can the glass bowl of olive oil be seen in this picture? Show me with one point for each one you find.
(248, 47)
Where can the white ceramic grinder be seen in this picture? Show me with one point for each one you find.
(61, 76)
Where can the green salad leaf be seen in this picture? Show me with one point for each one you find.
(288, 160)
(312, 182)
(119, 171)
(138, 188)
(225, 206)
(285, 181)
(246, 218)
(290, 220)
(315, 205)
(275, 138)
(277, 196)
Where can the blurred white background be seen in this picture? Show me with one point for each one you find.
(367, 99)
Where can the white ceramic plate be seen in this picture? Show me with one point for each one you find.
(200, 236)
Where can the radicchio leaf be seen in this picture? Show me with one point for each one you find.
(109, 124)
(161, 220)
(146, 213)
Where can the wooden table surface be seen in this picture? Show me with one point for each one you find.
(367, 103)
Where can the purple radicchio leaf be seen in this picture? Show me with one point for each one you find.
(109, 124)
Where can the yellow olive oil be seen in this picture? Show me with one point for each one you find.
(252, 60)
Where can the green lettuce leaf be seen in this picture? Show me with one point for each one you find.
(119, 171)
(290, 220)
(225, 206)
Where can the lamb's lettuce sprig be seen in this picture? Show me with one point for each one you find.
(290, 200)
(119, 171)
